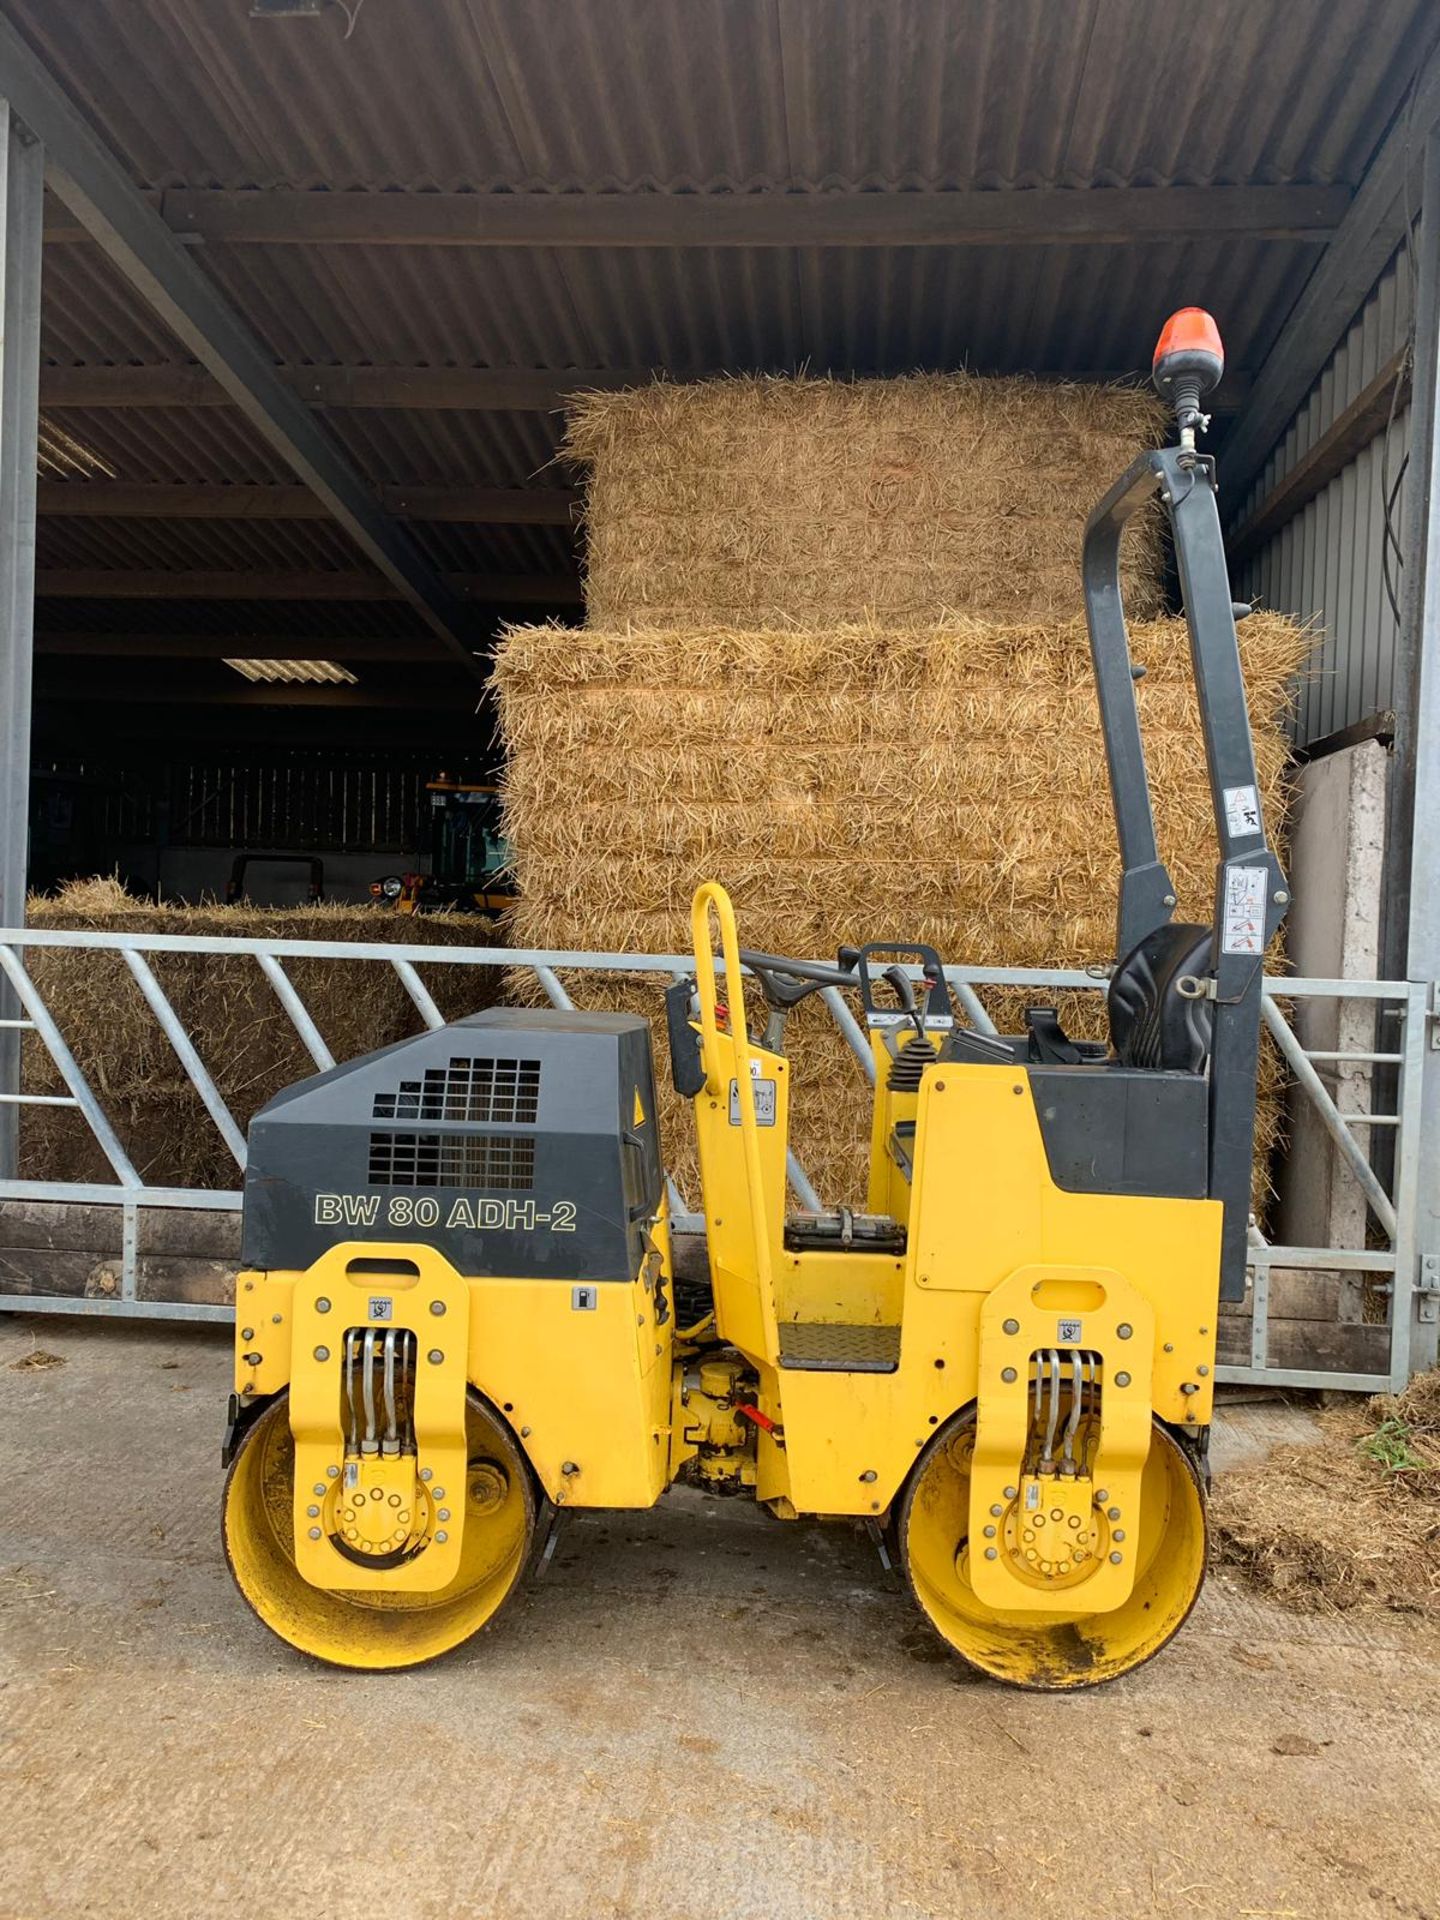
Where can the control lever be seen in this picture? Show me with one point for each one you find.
(897, 978)
(930, 1009)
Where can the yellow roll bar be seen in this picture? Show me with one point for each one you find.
(710, 895)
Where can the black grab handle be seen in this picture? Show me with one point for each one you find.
(937, 1006)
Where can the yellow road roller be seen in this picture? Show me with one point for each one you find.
(457, 1316)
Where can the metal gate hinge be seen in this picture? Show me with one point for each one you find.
(1427, 1290)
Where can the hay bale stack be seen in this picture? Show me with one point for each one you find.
(229, 1010)
(759, 502)
(940, 783)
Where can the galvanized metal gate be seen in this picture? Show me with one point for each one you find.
(1405, 1277)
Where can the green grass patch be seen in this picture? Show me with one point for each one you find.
(1389, 1447)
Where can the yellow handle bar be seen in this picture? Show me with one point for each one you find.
(711, 895)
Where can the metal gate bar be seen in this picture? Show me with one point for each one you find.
(1394, 1215)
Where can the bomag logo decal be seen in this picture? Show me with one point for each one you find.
(492, 1216)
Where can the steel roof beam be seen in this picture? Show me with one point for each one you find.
(1357, 255)
(1031, 216)
(434, 389)
(93, 185)
(189, 500)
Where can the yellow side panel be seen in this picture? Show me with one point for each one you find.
(973, 1208)
(985, 1204)
(729, 1226)
(584, 1389)
(263, 1327)
(585, 1386)
(850, 1438)
(985, 1207)
(843, 1289)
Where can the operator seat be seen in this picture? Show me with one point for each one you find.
(1152, 1023)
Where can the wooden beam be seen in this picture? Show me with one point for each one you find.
(351, 649)
(1033, 216)
(161, 500)
(126, 583)
(1362, 246)
(431, 389)
(1348, 434)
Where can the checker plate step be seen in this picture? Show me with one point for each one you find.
(811, 1347)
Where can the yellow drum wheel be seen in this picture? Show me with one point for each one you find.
(378, 1629)
(1052, 1651)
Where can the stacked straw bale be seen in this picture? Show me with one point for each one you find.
(757, 502)
(239, 1028)
(941, 783)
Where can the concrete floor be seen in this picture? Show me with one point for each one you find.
(697, 1712)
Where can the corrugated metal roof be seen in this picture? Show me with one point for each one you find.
(697, 309)
(393, 446)
(172, 443)
(670, 96)
(91, 315)
(734, 93)
(262, 546)
(272, 546)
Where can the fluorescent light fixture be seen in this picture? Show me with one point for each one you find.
(307, 673)
(60, 456)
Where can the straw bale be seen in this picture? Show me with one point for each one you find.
(1352, 1521)
(239, 1028)
(761, 501)
(940, 783)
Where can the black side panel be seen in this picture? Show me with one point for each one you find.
(518, 1144)
(1113, 1130)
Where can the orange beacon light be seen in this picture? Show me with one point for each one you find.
(1189, 360)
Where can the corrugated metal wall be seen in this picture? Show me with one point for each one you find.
(1327, 564)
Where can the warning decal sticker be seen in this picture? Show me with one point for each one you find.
(1242, 810)
(1244, 923)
